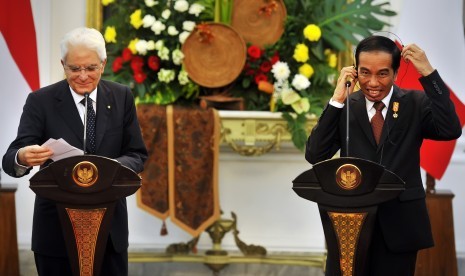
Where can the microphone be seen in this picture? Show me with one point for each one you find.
(347, 117)
(86, 97)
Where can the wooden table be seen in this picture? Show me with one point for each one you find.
(440, 259)
(9, 260)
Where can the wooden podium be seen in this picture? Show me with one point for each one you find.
(85, 189)
(348, 191)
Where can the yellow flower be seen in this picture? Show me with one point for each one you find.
(107, 2)
(332, 60)
(301, 106)
(289, 96)
(306, 70)
(301, 53)
(136, 18)
(132, 46)
(312, 32)
(110, 34)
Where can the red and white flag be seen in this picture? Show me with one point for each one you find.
(437, 28)
(18, 31)
(19, 70)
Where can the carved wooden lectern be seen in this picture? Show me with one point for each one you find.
(85, 189)
(348, 191)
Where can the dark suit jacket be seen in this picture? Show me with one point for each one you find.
(51, 112)
(431, 115)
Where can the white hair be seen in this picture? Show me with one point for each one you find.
(88, 37)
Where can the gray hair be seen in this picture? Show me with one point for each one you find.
(88, 37)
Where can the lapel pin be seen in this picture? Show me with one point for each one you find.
(108, 107)
(395, 109)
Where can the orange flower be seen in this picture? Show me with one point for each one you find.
(266, 87)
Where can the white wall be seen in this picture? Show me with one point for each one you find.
(257, 189)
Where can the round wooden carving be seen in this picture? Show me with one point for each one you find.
(215, 55)
(260, 22)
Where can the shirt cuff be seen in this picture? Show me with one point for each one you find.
(336, 104)
(20, 170)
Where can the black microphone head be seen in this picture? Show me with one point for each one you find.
(348, 83)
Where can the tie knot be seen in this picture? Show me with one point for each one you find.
(379, 106)
(89, 101)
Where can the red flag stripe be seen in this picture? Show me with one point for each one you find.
(17, 27)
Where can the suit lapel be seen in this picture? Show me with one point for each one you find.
(390, 121)
(68, 111)
(358, 106)
(104, 106)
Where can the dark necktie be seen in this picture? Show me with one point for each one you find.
(377, 121)
(90, 132)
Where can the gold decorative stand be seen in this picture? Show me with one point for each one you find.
(217, 258)
(254, 133)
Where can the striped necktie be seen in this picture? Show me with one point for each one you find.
(377, 121)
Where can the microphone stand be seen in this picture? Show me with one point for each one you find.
(347, 117)
(86, 96)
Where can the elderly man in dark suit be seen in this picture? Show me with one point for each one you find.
(56, 112)
(403, 225)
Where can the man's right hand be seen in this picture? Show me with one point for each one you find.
(347, 74)
(34, 155)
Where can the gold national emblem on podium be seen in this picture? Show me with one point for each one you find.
(85, 174)
(348, 177)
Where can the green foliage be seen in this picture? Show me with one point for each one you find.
(342, 23)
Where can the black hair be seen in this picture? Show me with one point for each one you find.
(379, 43)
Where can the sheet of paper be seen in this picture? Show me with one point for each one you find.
(61, 149)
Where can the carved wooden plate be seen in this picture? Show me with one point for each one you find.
(215, 55)
(260, 22)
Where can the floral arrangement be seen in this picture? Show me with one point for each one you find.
(144, 40)
(306, 60)
(295, 76)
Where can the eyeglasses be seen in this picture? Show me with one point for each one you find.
(87, 69)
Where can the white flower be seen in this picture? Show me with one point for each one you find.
(178, 56)
(181, 5)
(183, 36)
(300, 82)
(151, 3)
(166, 14)
(151, 45)
(280, 71)
(172, 31)
(158, 27)
(196, 9)
(141, 47)
(188, 26)
(148, 20)
(159, 45)
(164, 53)
(183, 78)
(331, 79)
(165, 75)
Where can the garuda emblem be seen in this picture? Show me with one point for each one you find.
(348, 177)
(85, 174)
